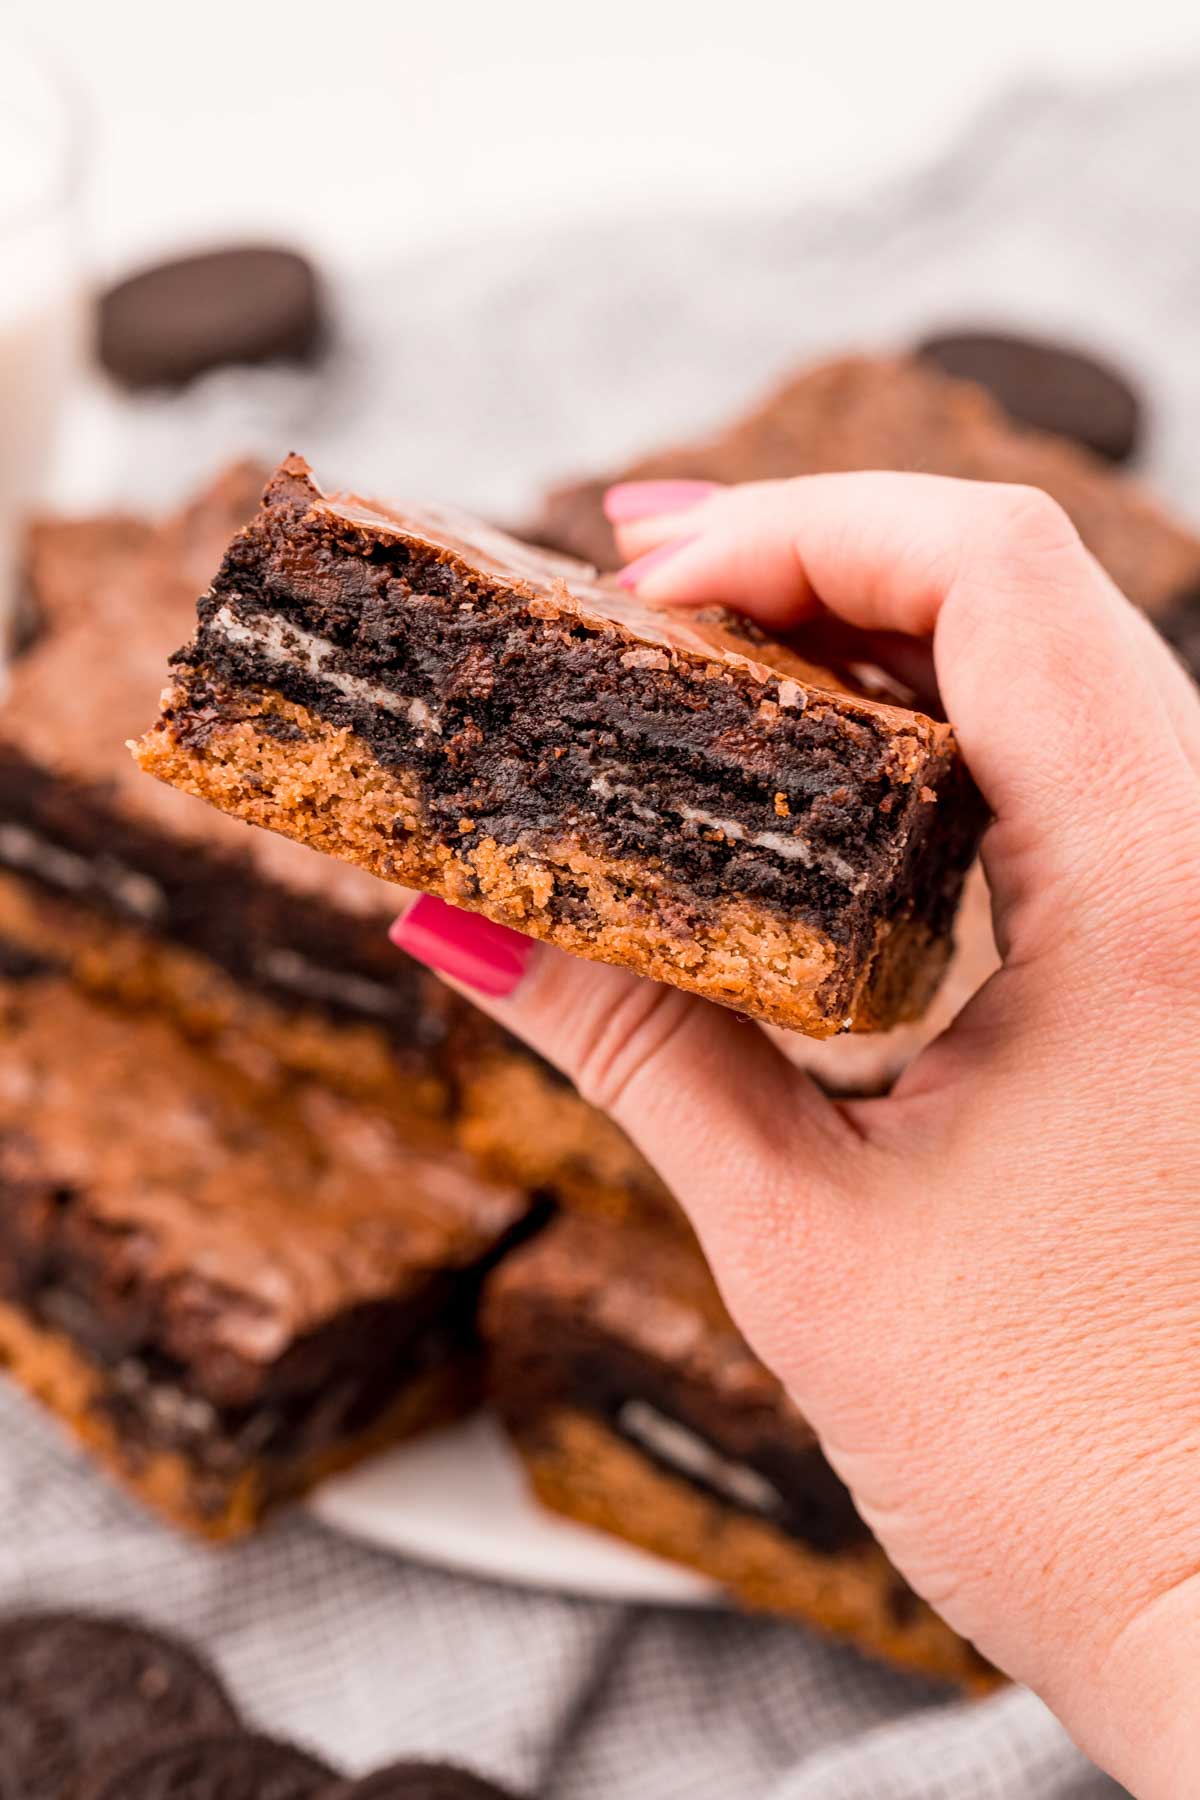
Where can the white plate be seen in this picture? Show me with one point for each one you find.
(457, 1498)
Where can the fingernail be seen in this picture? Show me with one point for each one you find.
(646, 499)
(463, 945)
(641, 566)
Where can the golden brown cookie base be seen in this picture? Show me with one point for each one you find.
(324, 788)
(579, 1467)
(64, 1380)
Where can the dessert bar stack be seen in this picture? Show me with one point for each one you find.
(428, 699)
(270, 1195)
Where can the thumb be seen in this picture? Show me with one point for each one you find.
(757, 1156)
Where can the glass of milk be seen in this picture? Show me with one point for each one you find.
(41, 300)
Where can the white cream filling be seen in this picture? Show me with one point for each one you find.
(673, 1444)
(135, 893)
(290, 646)
(286, 968)
(792, 849)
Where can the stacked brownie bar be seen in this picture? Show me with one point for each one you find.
(424, 697)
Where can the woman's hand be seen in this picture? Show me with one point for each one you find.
(983, 1289)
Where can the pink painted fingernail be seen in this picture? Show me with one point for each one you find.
(463, 945)
(641, 566)
(646, 499)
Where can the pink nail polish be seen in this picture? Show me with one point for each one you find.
(463, 945)
(630, 500)
(641, 566)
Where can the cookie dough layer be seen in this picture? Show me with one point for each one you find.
(580, 1468)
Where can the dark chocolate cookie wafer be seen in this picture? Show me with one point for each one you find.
(232, 1765)
(1046, 385)
(38, 1757)
(106, 1682)
(418, 1781)
(251, 304)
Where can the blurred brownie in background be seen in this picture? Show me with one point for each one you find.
(224, 1289)
(636, 1406)
(894, 412)
(259, 947)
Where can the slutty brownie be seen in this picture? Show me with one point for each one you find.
(255, 945)
(637, 1407)
(424, 697)
(890, 412)
(225, 1289)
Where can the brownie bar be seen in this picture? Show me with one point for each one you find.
(435, 702)
(637, 1407)
(255, 945)
(890, 412)
(225, 1289)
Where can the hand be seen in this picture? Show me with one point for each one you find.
(983, 1289)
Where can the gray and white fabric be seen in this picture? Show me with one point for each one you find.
(477, 378)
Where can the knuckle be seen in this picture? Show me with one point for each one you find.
(1026, 521)
(624, 1042)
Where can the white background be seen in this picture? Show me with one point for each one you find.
(362, 127)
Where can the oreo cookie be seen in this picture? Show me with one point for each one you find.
(38, 1755)
(1049, 386)
(419, 1781)
(232, 1765)
(74, 1688)
(249, 304)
